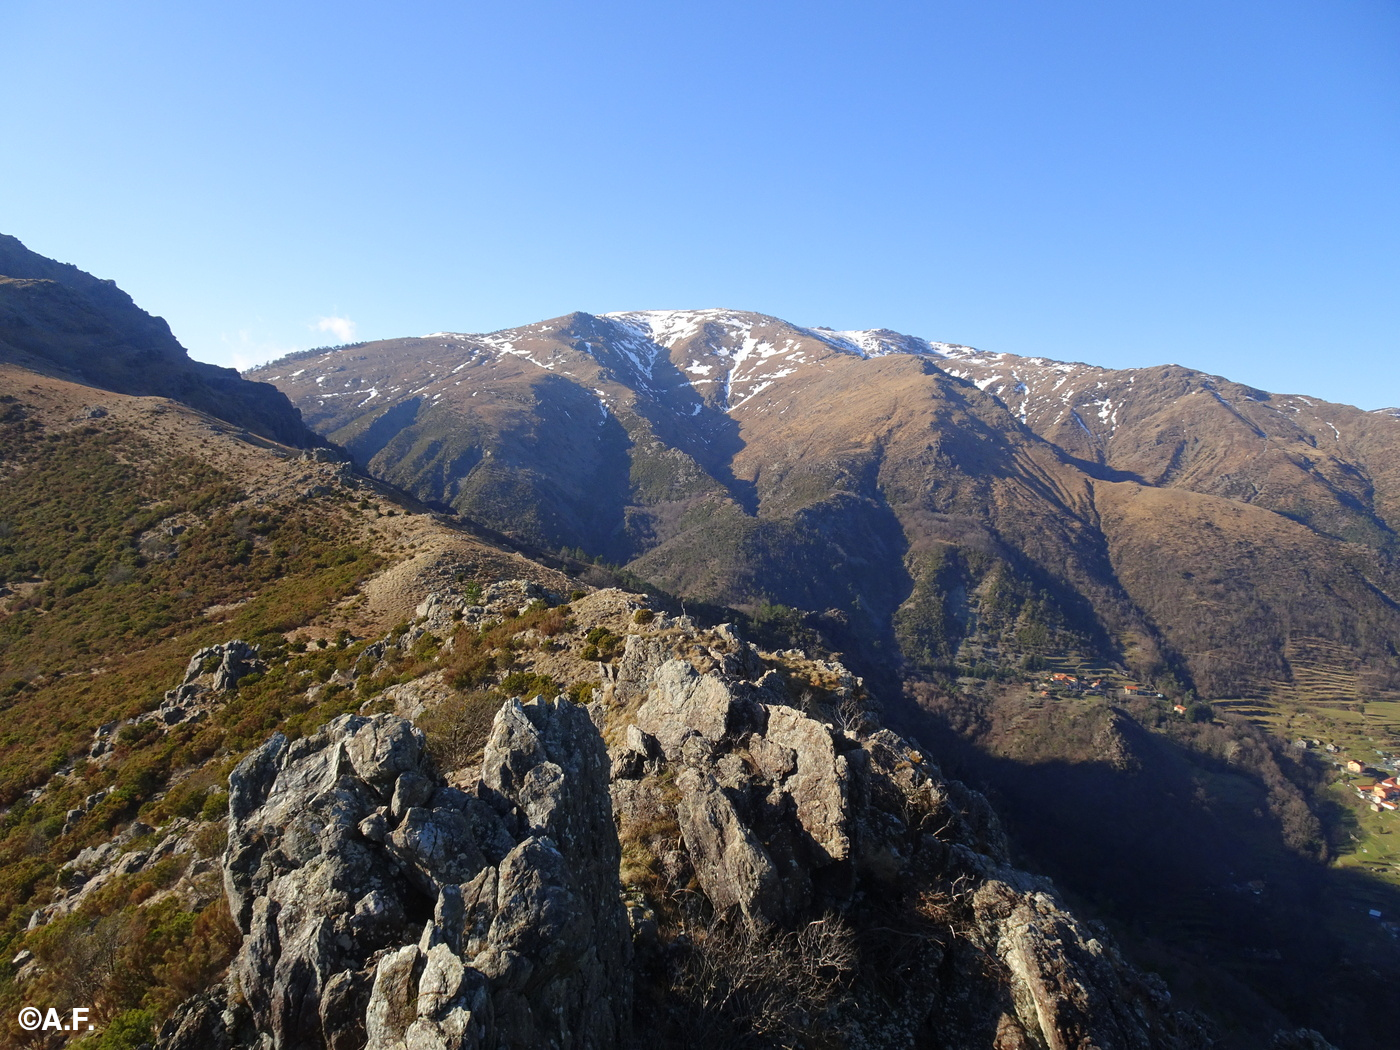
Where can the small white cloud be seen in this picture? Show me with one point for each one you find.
(341, 327)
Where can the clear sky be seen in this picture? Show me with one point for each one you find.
(1128, 182)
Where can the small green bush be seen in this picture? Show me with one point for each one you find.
(528, 684)
(128, 1031)
(601, 644)
(582, 692)
(215, 806)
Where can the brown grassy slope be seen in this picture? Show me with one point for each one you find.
(1234, 587)
(272, 540)
(134, 531)
(749, 461)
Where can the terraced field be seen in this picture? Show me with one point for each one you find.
(1333, 707)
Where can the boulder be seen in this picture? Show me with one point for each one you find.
(734, 869)
(818, 782)
(381, 907)
(683, 703)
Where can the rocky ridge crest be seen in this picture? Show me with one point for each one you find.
(729, 868)
(55, 318)
(383, 908)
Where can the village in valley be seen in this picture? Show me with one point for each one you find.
(1358, 742)
(1377, 784)
(1382, 794)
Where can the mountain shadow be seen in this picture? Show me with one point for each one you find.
(1199, 850)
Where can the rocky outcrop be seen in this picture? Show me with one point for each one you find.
(138, 848)
(210, 676)
(764, 877)
(382, 908)
(219, 667)
(788, 822)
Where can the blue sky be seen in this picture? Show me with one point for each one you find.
(1210, 183)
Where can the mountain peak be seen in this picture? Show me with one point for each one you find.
(668, 328)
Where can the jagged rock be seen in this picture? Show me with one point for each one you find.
(732, 865)
(773, 759)
(384, 908)
(434, 847)
(818, 784)
(683, 704)
(639, 753)
(1066, 985)
(221, 666)
(381, 907)
(382, 750)
(102, 739)
(785, 819)
(410, 790)
(437, 610)
(195, 880)
(641, 656)
(206, 1022)
(733, 655)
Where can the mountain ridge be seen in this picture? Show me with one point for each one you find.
(58, 319)
(154, 545)
(698, 447)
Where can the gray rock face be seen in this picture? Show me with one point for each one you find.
(789, 823)
(818, 781)
(683, 704)
(221, 666)
(733, 867)
(382, 908)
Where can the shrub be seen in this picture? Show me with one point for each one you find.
(210, 840)
(601, 645)
(740, 977)
(215, 806)
(129, 1030)
(528, 684)
(582, 692)
(457, 729)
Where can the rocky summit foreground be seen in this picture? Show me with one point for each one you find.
(382, 908)
(731, 871)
